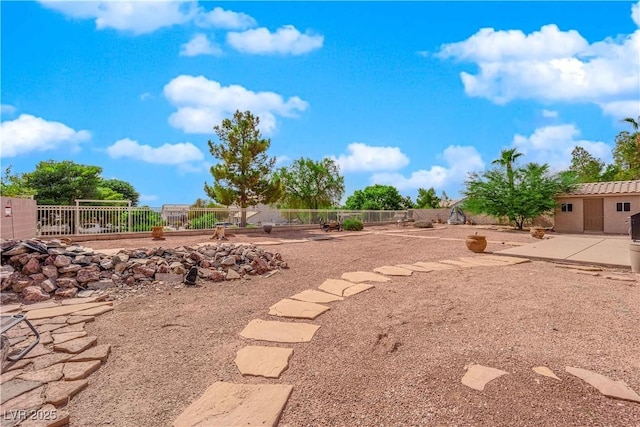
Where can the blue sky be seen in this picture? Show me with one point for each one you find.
(411, 94)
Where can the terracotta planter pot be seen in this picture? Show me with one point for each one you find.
(157, 233)
(537, 232)
(476, 243)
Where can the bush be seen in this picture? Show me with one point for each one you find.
(352, 224)
(203, 221)
(423, 224)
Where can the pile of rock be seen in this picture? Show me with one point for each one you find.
(37, 270)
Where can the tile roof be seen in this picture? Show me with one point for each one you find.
(607, 188)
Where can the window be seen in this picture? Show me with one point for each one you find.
(566, 207)
(626, 207)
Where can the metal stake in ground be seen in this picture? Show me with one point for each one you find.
(192, 275)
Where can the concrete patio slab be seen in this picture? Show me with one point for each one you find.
(607, 251)
(286, 332)
(363, 276)
(234, 405)
(605, 385)
(335, 286)
(391, 270)
(262, 361)
(311, 295)
(478, 376)
(297, 309)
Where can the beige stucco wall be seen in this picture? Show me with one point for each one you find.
(22, 223)
(614, 222)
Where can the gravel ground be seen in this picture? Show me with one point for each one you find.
(391, 356)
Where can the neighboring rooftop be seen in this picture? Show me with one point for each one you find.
(611, 187)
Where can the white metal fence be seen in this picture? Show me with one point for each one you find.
(80, 220)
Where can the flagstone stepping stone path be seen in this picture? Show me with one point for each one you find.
(267, 362)
(56, 369)
(478, 376)
(297, 309)
(227, 404)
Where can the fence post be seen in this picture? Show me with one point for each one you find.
(129, 219)
(77, 215)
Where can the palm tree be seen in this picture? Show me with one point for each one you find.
(507, 159)
(635, 124)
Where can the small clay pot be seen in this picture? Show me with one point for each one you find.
(537, 232)
(157, 233)
(476, 243)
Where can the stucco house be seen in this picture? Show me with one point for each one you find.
(598, 207)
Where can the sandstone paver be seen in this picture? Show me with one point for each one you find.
(38, 350)
(49, 359)
(605, 385)
(364, 276)
(391, 270)
(478, 376)
(433, 266)
(543, 370)
(62, 310)
(75, 301)
(99, 352)
(76, 327)
(335, 286)
(60, 392)
(46, 375)
(80, 319)
(30, 400)
(617, 277)
(60, 338)
(287, 332)
(8, 376)
(57, 319)
(482, 261)
(76, 346)
(62, 418)
(229, 405)
(414, 267)
(311, 295)
(509, 259)
(262, 361)
(586, 273)
(18, 365)
(297, 309)
(16, 387)
(48, 327)
(96, 311)
(360, 287)
(39, 305)
(458, 263)
(80, 370)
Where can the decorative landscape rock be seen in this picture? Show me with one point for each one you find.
(36, 270)
(297, 309)
(226, 404)
(267, 362)
(478, 376)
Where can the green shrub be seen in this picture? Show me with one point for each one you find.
(203, 221)
(352, 224)
(423, 224)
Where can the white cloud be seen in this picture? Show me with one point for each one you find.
(29, 133)
(199, 45)
(204, 103)
(459, 161)
(366, 158)
(145, 96)
(7, 109)
(549, 113)
(225, 19)
(554, 144)
(167, 154)
(137, 17)
(286, 40)
(550, 65)
(621, 109)
(281, 160)
(635, 13)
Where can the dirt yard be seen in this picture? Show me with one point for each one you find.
(391, 356)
